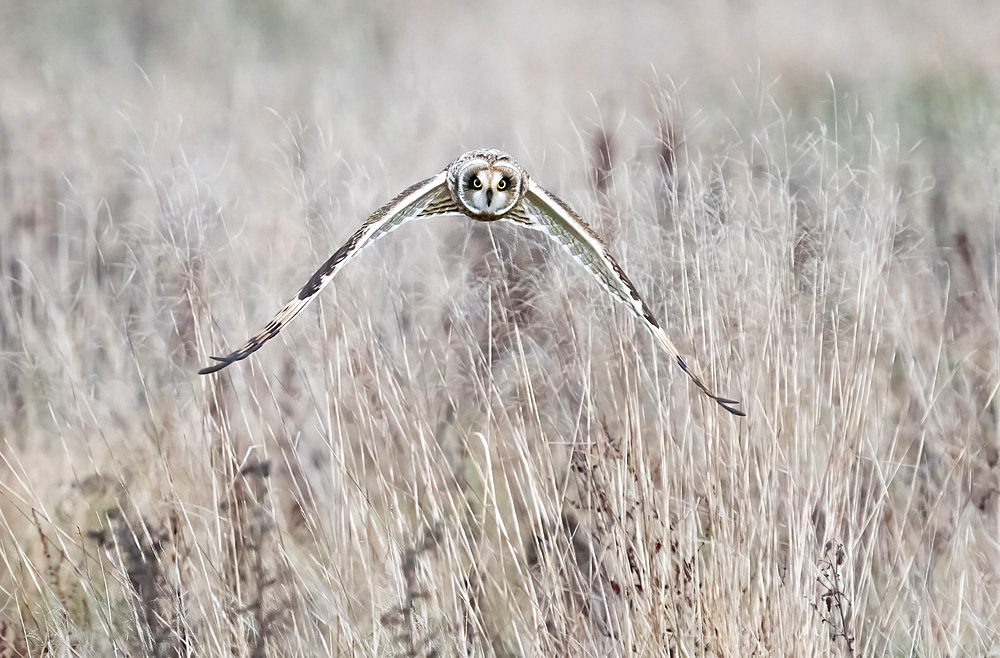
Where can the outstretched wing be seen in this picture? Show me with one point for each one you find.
(428, 197)
(547, 212)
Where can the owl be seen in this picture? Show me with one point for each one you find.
(486, 186)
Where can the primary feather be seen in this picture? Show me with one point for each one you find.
(423, 198)
(549, 213)
(486, 185)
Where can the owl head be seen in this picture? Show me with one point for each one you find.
(486, 184)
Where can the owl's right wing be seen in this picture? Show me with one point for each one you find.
(428, 197)
(542, 210)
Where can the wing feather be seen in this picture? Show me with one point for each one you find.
(429, 196)
(549, 213)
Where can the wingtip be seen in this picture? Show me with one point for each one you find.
(215, 367)
(730, 406)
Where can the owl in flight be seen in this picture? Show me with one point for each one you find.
(486, 185)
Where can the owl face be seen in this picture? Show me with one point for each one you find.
(486, 184)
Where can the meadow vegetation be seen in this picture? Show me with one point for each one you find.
(465, 447)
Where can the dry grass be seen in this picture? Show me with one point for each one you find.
(466, 448)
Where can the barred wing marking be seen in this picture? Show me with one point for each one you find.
(549, 213)
(428, 197)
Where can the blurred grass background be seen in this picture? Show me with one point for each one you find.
(467, 449)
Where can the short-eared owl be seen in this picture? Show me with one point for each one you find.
(486, 185)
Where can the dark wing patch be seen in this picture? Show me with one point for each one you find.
(316, 281)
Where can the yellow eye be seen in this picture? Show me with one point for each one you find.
(502, 185)
(476, 183)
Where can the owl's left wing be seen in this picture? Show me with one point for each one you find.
(547, 212)
(428, 197)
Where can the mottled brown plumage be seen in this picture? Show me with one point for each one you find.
(486, 185)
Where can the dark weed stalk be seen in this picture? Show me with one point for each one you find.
(834, 605)
(402, 618)
(12, 642)
(254, 579)
(138, 547)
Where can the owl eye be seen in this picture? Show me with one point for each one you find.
(502, 185)
(476, 183)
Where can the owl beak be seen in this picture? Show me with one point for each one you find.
(489, 196)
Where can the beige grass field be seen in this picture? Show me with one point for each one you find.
(467, 448)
